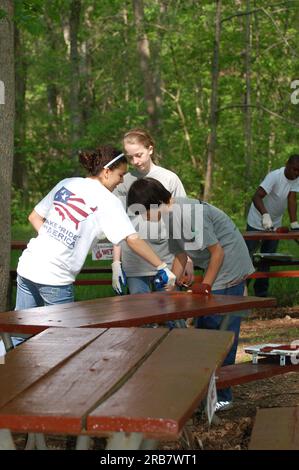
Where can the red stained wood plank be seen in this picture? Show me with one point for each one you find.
(271, 235)
(276, 429)
(126, 311)
(248, 372)
(33, 359)
(168, 386)
(60, 401)
(268, 274)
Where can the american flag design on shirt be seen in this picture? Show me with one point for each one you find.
(71, 207)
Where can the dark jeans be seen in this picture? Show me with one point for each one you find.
(212, 322)
(267, 246)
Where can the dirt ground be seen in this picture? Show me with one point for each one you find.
(234, 427)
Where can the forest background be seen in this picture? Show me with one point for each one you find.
(215, 82)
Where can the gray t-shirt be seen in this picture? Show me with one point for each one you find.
(194, 226)
(153, 233)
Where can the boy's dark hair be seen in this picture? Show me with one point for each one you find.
(147, 192)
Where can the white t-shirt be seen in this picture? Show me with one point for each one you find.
(277, 187)
(133, 265)
(78, 211)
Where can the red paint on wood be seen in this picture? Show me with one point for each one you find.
(165, 390)
(126, 311)
(244, 372)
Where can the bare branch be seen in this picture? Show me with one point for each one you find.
(263, 108)
(256, 10)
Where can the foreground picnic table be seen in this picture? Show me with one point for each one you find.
(146, 382)
(126, 311)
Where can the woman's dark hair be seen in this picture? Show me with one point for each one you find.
(147, 192)
(95, 160)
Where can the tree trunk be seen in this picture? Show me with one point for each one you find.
(212, 137)
(74, 22)
(143, 48)
(247, 108)
(157, 77)
(7, 112)
(87, 93)
(20, 174)
(126, 58)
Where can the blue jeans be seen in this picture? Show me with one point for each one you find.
(140, 285)
(31, 294)
(144, 285)
(212, 322)
(267, 246)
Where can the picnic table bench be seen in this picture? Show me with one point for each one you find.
(133, 385)
(272, 235)
(245, 372)
(276, 429)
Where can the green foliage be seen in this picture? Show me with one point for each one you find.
(111, 96)
(2, 13)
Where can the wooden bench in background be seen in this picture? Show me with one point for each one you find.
(244, 372)
(276, 429)
(133, 385)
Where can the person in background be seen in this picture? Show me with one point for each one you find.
(210, 238)
(75, 214)
(139, 148)
(276, 192)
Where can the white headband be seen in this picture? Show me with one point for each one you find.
(114, 160)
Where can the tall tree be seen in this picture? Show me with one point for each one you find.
(212, 137)
(247, 108)
(7, 111)
(143, 47)
(74, 23)
(20, 176)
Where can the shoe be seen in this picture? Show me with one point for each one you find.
(223, 405)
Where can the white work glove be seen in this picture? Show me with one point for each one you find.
(119, 280)
(267, 222)
(294, 225)
(164, 277)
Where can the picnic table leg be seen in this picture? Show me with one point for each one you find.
(36, 441)
(6, 338)
(82, 443)
(224, 322)
(6, 440)
(149, 444)
(123, 441)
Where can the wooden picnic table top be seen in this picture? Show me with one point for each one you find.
(97, 381)
(126, 311)
(269, 235)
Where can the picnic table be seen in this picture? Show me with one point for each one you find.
(126, 311)
(133, 385)
(271, 235)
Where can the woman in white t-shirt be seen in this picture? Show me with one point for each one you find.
(74, 215)
(139, 148)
